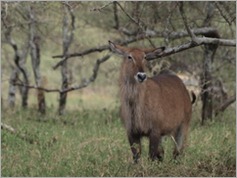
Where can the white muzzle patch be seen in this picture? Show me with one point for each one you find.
(140, 77)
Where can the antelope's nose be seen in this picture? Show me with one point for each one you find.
(141, 76)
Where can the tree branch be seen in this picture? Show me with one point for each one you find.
(201, 41)
(100, 8)
(206, 31)
(227, 103)
(36, 87)
(116, 26)
(88, 51)
(130, 17)
(191, 34)
(15, 48)
(83, 84)
(218, 5)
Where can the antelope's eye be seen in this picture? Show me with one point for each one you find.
(130, 57)
(145, 57)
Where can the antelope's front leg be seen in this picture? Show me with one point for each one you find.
(135, 144)
(155, 149)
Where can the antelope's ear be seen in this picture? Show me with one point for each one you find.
(117, 48)
(152, 53)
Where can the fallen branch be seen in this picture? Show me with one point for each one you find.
(8, 128)
(26, 138)
(21, 136)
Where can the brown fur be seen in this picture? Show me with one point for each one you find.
(154, 108)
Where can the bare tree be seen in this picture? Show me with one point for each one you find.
(68, 33)
(206, 77)
(35, 59)
(19, 60)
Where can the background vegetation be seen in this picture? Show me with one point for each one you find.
(89, 140)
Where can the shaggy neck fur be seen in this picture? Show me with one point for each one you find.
(131, 94)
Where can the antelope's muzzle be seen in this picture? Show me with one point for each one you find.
(141, 76)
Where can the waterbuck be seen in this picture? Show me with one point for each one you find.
(151, 107)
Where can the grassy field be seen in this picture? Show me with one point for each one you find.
(92, 142)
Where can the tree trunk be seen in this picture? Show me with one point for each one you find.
(67, 39)
(12, 87)
(20, 64)
(206, 83)
(25, 89)
(206, 78)
(63, 96)
(35, 59)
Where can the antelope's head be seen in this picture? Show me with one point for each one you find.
(135, 60)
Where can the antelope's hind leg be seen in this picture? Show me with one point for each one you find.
(135, 144)
(180, 139)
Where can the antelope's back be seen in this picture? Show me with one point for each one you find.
(173, 94)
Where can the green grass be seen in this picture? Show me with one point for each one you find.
(94, 143)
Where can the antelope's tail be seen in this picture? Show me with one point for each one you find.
(193, 97)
